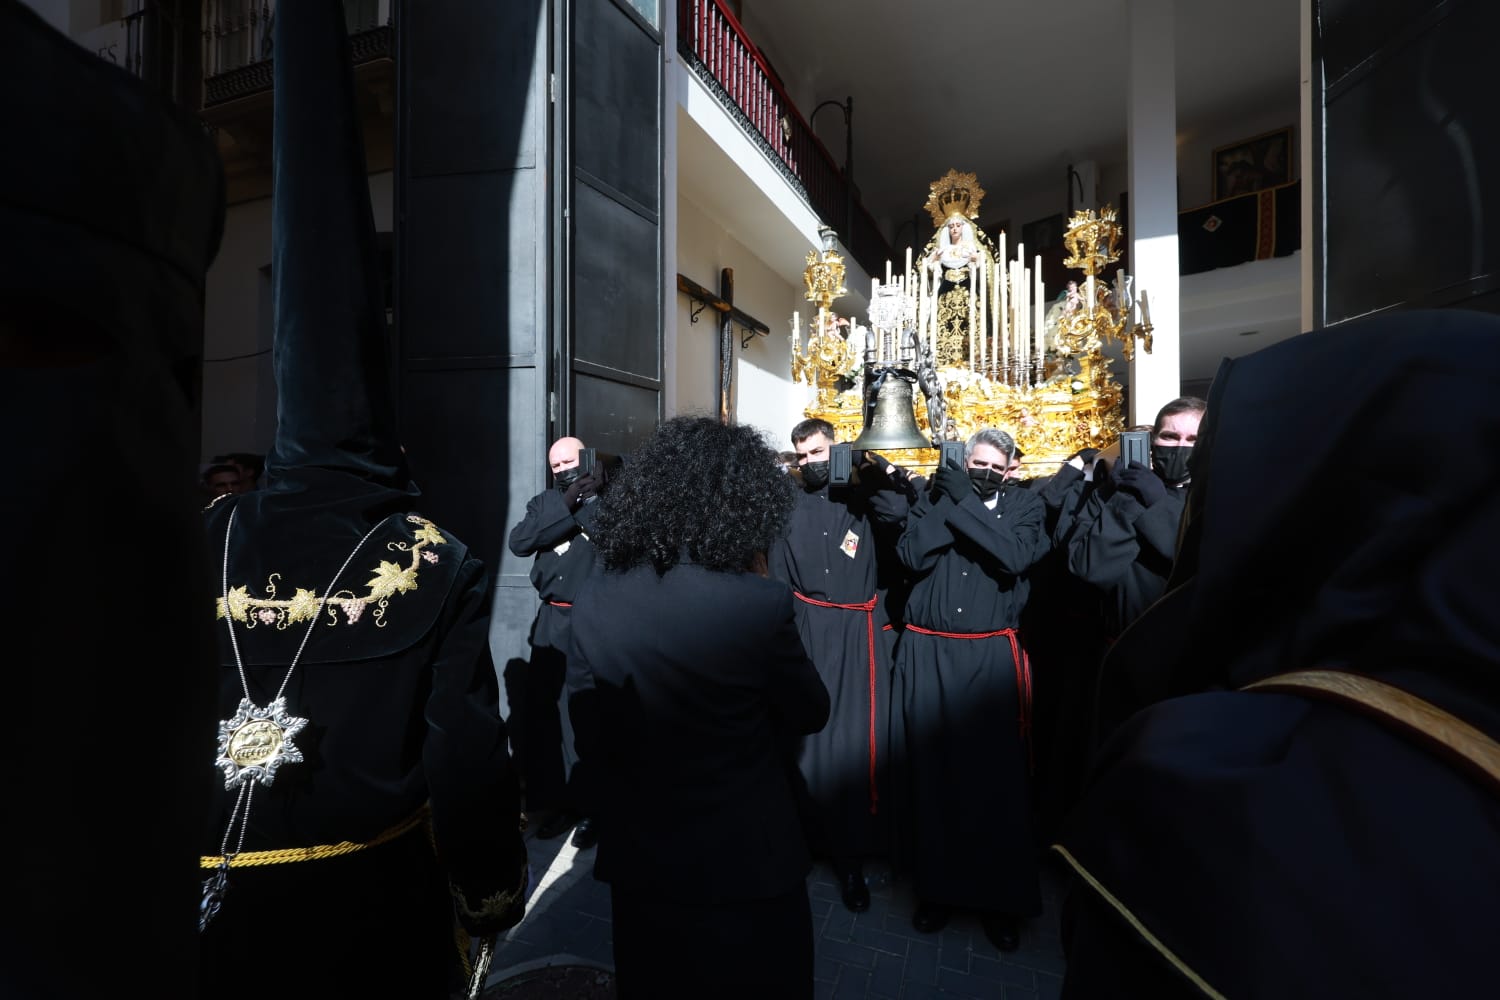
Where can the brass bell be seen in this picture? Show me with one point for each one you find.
(890, 421)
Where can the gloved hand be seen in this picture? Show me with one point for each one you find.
(952, 482)
(1083, 458)
(583, 487)
(1141, 483)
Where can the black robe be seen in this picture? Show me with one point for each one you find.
(1065, 639)
(961, 747)
(1125, 549)
(557, 540)
(831, 553)
(402, 707)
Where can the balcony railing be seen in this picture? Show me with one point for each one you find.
(713, 42)
(237, 43)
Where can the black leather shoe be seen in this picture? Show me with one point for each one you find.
(556, 825)
(1002, 932)
(856, 893)
(930, 917)
(584, 834)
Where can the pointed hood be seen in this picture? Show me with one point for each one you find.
(335, 416)
(1343, 512)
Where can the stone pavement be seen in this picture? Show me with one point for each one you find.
(875, 955)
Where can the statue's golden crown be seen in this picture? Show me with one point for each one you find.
(954, 194)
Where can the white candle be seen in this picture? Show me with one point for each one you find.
(1002, 272)
(1041, 317)
(1145, 311)
(921, 304)
(887, 272)
(971, 316)
(1023, 316)
(996, 283)
(908, 261)
(932, 310)
(1088, 293)
(983, 273)
(796, 339)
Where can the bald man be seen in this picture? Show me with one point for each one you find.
(555, 535)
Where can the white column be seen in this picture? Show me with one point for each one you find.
(1086, 187)
(1151, 150)
(1309, 143)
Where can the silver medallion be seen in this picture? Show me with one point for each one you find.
(256, 742)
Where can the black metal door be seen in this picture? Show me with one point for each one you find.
(609, 266)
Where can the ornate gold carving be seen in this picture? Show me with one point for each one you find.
(499, 910)
(954, 194)
(1061, 400)
(389, 579)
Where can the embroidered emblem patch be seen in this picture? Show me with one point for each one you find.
(850, 544)
(561, 547)
(390, 579)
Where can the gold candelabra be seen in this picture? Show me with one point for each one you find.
(1097, 311)
(832, 353)
(1045, 378)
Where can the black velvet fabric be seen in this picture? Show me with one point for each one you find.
(395, 678)
(1342, 515)
(334, 406)
(1340, 512)
(111, 205)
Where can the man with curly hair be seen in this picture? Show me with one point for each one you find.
(691, 687)
(828, 557)
(963, 687)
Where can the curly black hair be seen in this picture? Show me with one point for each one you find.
(697, 489)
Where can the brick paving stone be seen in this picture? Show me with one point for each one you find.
(825, 969)
(1048, 987)
(954, 955)
(840, 924)
(886, 978)
(1002, 972)
(847, 953)
(882, 941)
(922, 962)
(822, 990)
(964, 985)
(854, 984)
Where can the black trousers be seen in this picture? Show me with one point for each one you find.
(758, 949)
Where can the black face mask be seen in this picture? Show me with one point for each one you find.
(567, 477)
(1171, 463)
(986, 482)
(815, 475)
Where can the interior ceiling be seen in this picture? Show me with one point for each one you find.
(1012, 90)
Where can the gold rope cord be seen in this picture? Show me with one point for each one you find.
(1140, 928)
(316, 852)
(1397, 706)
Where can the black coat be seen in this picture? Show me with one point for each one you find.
(558, 539)
(1125, 549)
(695, 686)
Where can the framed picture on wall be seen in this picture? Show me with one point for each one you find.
(1253, 164)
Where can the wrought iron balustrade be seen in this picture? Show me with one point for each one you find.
(237, 42)
(712, 41)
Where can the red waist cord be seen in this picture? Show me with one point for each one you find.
(868, 607)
